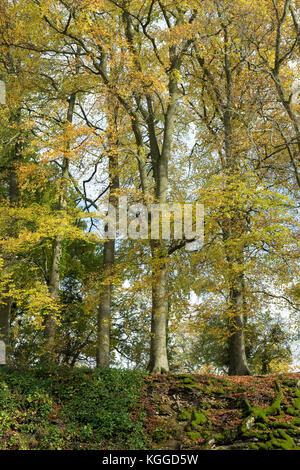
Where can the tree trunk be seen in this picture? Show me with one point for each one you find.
(237, 357)
(5, 309)
(57, 250)
(50, 323)
(160, 306)
(14, 195)
(104, 311)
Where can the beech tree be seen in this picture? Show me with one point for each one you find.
(163, 102)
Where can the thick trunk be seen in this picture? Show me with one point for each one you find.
(158, 351)
(158, 347)
(237, 357)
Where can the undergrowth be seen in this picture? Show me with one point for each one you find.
(63, 408)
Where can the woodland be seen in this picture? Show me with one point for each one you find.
(161, 101)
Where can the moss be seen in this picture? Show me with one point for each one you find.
(261, 426)
(289, 383)
(194, 435)
(276, 439)
(198, 418)
(264, 445)
(292, 412)
(254, 446)
(185, 415)
(205, 406)
(260, 414)
(219, 391)
(188, 380)
(275, 408)
(296, 403)
(270, 435)
(205, 433)
(189, 386)
(281, 425)
(163, 410)
(194, 385)
(160, 434)
(219, 405)
(219, 438)
(262, 436)
(224, 382)
(285, 443)
(294, 409)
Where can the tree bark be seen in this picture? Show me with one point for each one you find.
(5, 309)
(14, 196)
(237, 356)
(104, 309)
(160, 306)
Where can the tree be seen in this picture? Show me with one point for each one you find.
(164, 102)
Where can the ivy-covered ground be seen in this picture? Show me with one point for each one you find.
(63, 408)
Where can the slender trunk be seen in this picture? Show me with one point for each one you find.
(275, 74)
(104, 311)
(57, 250)
(5, 309)
(54, 278)
(14, 195)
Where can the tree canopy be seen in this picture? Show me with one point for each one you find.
(161, 103)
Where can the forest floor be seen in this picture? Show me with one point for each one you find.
(85, 409)
(223, 413)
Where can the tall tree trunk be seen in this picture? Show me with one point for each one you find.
(57, 249)
(159, 159)
(5, 309)
(104, 309)
(14, 194)
(158, 347)
(237, 357)
(160, 306)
